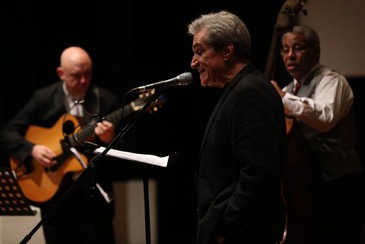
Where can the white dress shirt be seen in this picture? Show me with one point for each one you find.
(330, 101)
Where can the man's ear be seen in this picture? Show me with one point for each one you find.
(59, 71)
(228, 50)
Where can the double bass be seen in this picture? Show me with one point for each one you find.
(299, 174)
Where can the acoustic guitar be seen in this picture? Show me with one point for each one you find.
(40, 184)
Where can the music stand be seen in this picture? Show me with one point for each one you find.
(12, 199)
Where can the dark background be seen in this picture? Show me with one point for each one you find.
(133, 44)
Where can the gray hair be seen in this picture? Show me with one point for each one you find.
(311, 36)
(223, 27)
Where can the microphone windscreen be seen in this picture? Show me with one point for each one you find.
(185, 78)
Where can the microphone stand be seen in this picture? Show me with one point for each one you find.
(147, 210)
(145, 179)
(90, 172)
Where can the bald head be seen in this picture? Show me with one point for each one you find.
(75, 70)
(74, 55)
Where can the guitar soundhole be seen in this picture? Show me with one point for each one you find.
(68, 127)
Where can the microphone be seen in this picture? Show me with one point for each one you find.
(183, 79)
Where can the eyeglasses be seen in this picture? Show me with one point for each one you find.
(298, 48)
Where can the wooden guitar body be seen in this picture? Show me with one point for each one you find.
(38, 183)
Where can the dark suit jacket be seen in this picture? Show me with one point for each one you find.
(84, 214)
(46, 106)
(240, 163)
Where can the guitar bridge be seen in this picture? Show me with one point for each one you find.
(60, 158)
(22, 169)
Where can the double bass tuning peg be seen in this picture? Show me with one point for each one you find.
(304, 11)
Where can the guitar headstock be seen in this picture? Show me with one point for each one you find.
(143, 98)
(286, 17)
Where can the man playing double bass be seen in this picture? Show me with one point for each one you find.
(323, 111)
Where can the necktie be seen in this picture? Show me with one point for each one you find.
(296, 88)
(290, 121)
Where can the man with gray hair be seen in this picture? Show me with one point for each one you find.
(240, 163)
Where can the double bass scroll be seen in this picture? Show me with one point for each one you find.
(286, 19)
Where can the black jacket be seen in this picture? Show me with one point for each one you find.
(240, 163)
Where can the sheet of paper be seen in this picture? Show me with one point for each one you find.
(143, 158)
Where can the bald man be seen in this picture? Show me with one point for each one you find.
(85, 216)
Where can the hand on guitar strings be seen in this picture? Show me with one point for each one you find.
(44, 155)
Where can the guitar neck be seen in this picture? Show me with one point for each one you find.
(87, 132)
